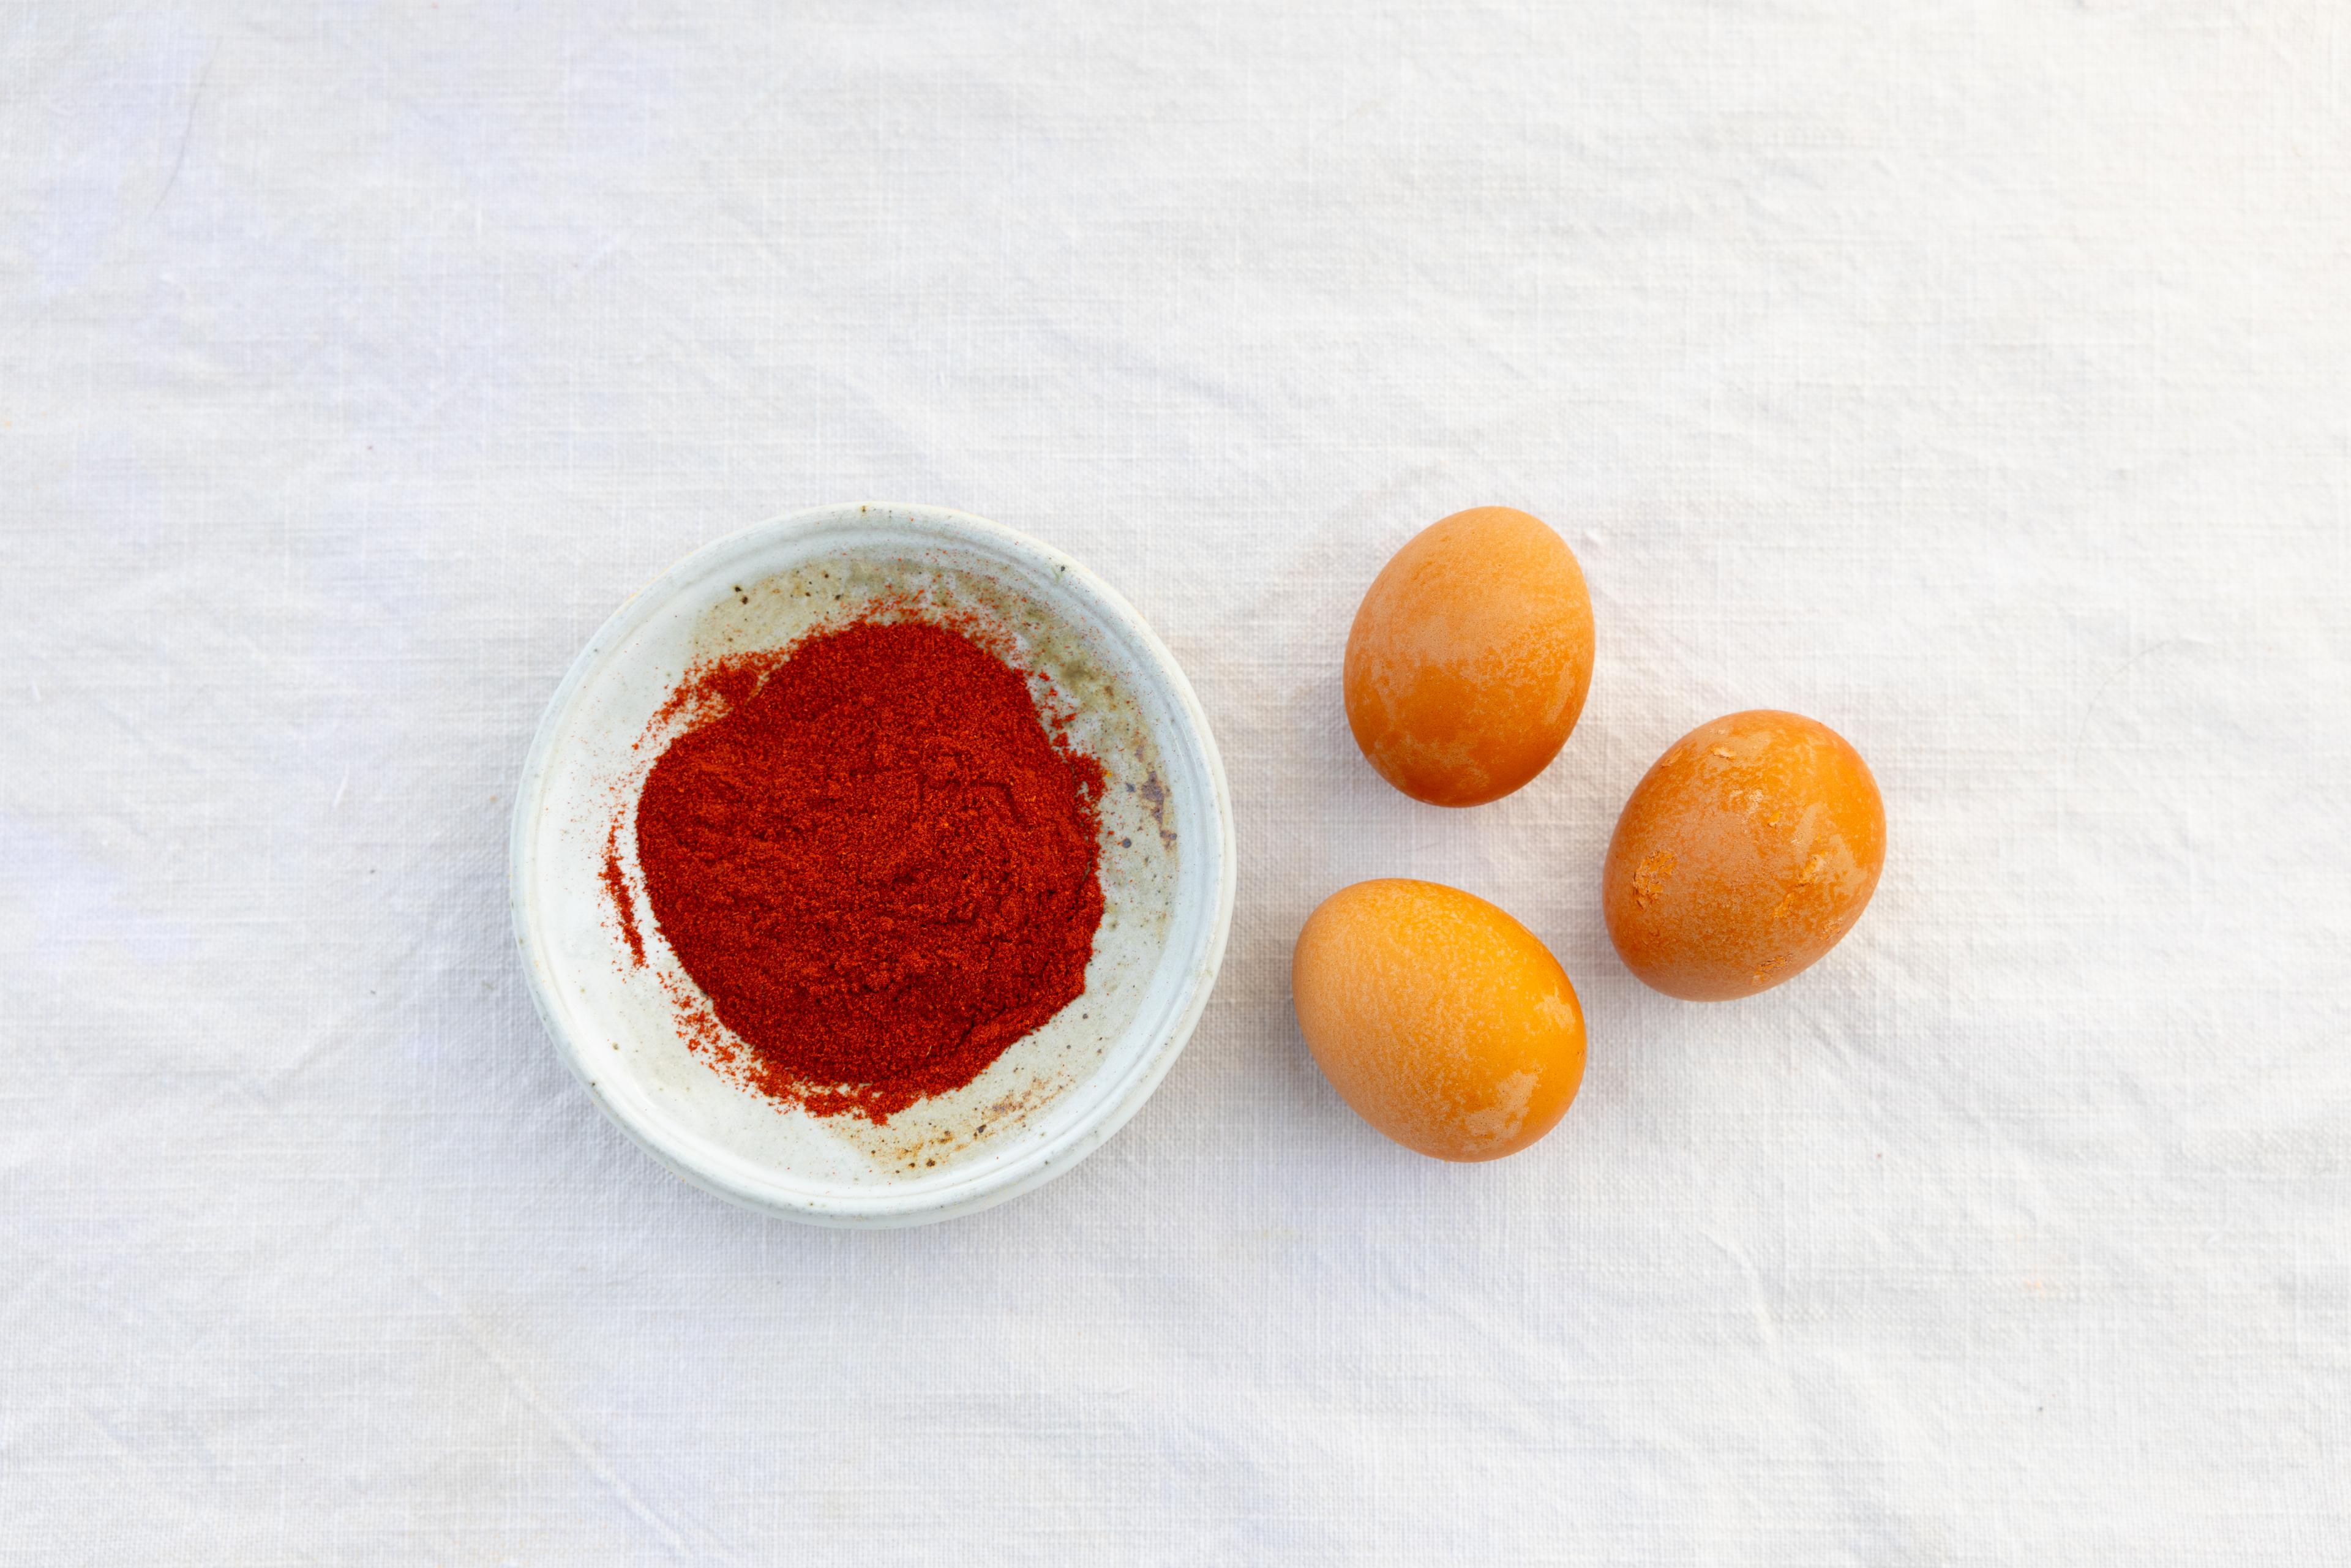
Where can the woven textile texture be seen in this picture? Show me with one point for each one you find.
(1974, 376)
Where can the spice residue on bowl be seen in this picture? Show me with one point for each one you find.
(616, 888)
(876, 860)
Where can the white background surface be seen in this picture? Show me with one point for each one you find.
(1976, 377)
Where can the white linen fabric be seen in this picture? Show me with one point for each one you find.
(1975, 377)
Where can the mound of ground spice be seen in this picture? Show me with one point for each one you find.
(875, 861)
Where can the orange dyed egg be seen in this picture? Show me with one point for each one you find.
(1744, 855)
(1469, 657)
(1442, 1020)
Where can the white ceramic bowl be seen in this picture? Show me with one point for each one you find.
(1053, 1096)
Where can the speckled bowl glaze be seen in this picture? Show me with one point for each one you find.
(1053, 1096)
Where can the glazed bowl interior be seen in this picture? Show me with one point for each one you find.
(637, 1032)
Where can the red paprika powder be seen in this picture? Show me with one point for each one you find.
(875, 862)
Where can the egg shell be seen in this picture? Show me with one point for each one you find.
(1440, 1018)
(1743, 856)
(1469, 657)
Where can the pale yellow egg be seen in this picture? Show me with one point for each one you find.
(1442, 1020)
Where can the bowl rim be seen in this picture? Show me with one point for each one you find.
(1028, 1168)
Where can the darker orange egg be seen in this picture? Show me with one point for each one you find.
(1743, 856)
(1469, 657)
